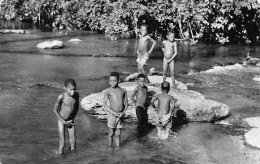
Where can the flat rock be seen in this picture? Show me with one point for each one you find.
(75, 40)
(253, 122)
(193, 103)
(14, 31)
(53, 44)
(252, 137)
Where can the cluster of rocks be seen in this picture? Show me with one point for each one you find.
(192, 103)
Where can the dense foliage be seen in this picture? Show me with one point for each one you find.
(212, 21)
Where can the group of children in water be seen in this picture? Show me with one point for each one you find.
(67, 104)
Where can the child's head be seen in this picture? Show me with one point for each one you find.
(143, 29)
(70, 86)
(114, 79)
(170, 36)
(165, 86)
(141, 80)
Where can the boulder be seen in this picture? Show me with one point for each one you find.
(75, 40)
(14, 31)
(53, 44)
(192, 103)
(250, 60)
(102, 55)
(253, 122)
(157, 80)
(252, 137)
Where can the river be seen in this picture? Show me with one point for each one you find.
(31, 79)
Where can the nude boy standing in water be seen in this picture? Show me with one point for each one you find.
(169, 48)
(66, 108)
(142, 53)
(166, 105)
(117, 98)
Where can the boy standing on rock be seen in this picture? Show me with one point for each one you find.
(169, 48)
(139, 98)
(117, 98)
(142, 52)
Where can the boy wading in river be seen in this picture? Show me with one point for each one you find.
(163, 117)
(117, 98)
(139, 98)
(66, 108)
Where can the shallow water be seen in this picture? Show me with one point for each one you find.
(31, 80)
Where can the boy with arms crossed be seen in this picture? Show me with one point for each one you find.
(169, 48)
(139, 98)
(117, 98)
(66, 108)
(142, 53)
(166, 105)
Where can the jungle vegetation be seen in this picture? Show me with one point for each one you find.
(210, 21)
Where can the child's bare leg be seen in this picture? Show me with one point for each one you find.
(139, 68)
(172, 74)
(111, 133)
(72, 138)
(165, 67)
(61, 137)
(158, 131)
(118, 137)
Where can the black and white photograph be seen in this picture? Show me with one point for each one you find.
(129, 81)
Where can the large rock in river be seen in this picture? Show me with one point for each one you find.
(193, 103)
(13, 31)
(53, 44)
(252, 137)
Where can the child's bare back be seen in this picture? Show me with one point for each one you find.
(164, 102)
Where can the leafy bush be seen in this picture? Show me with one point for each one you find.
(211, 21)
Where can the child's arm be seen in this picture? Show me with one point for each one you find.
(173, 106)
(154, 42)
(126, 104)
(175, 52)
(132, 97)
(56, 110)
(153, 100)
(163, 45)
(105, 104)
(76, 109)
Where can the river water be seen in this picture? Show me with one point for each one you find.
(31, 79)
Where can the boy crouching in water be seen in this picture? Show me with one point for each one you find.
(166, 105)
(118, 104)
(139, 98)
(66, 108)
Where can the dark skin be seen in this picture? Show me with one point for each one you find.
(139, 95)
(66, 109)
(164, 101)
(117, 98)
